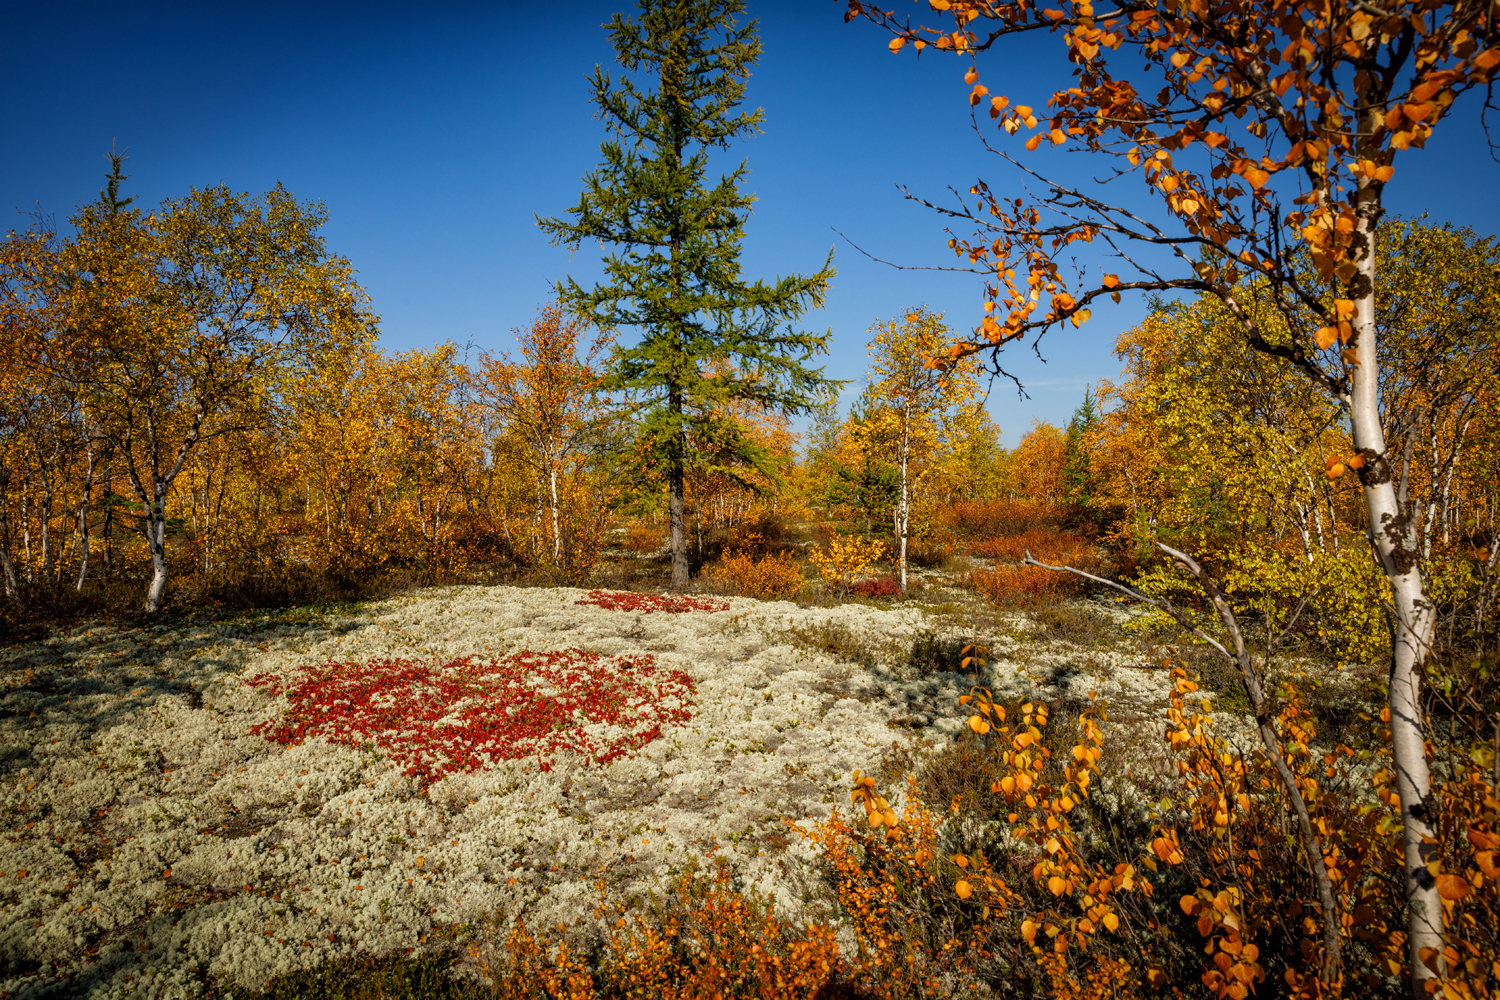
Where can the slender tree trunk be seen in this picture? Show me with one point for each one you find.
(49, 574)
(556, 520)
(156, 539)
(155, 498)
(904, 518)
(83, 520)
(12, 585)
(1412, 632)
(107, 530)
(25, 537)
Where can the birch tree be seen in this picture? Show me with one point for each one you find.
(917, 395)
(181, 317)
(552, 400)
(1255, 129)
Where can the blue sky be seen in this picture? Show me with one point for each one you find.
(435, 132)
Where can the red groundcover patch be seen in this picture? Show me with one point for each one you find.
(438, 718)
(624, 600)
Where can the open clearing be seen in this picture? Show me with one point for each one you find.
(152, 840)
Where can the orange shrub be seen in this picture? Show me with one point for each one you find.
(983, 519)
(1023, 586)
(643, 536)
(768, 578)
(1032, 586)
(707, 940)
(1048, 545)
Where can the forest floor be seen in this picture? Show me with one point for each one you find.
(154, 838)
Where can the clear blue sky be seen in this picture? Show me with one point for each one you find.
(435, 132)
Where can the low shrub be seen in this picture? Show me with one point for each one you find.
(440, 718)
(926, 553)
(931, 654)
(771, 577)
(885, 586)
(1056, 547)
(843, 643)
(706, 939)
(1027, 587)
(842, 559)
(979, 520)
(766, 534)
(644, 536)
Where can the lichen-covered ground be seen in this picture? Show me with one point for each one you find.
(149, 839)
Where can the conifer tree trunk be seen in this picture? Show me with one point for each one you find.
(677, 519)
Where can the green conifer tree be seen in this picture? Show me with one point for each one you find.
(708, 338)
(1078, 472)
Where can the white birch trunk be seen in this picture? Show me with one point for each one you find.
(1396, 552)
(905, 515)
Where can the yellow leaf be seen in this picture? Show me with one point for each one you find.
(1111, 922)
(1028, 931)
(964, 889)
(1326, 336)
(1057, 885)
(971, 75)
(896, 44)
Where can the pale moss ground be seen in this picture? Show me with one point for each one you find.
(126, 754)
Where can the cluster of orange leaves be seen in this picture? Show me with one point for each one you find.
(1230, 840)
(712, 941)
(1278, 71)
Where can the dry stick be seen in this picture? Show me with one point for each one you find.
(1331, 972)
